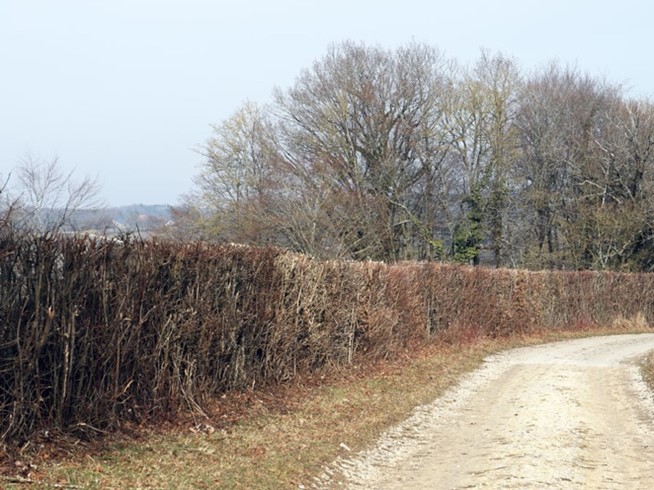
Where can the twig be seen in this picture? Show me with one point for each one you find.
(84, 424)
(29, 481)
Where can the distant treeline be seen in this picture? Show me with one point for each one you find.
(404, 154)
(95, 332)
(38, 196)
(134, 218)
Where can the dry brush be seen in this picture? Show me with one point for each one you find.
(99, 331)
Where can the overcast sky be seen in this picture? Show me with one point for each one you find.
(124, 90)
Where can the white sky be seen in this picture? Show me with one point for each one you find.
(124, 90)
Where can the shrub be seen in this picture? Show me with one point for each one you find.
(101, 331)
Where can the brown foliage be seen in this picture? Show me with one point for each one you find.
(100, 331)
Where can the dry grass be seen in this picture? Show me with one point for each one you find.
(278, 445)
(647, 370)
(282, 440)
(637, 322)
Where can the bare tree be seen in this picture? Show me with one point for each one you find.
(560, 110)
(500, 81)
(237, 178)
(357, 119)
(7, 204)
(617, 184)
(402, 154)
(480, 118)
(46, 198)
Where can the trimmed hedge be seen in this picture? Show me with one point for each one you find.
(100, 331)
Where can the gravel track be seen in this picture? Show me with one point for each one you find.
(572, 414)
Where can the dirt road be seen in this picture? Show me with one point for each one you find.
(573, 414)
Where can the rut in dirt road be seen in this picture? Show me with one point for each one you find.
(573, 414)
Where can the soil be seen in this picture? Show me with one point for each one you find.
(573, 414)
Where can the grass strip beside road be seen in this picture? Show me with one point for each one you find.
(280, 440)
(647, 370)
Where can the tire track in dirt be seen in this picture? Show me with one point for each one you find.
(572, 414)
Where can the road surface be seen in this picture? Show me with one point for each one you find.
(572, 414)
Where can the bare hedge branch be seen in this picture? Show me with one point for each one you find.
(100, 331)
